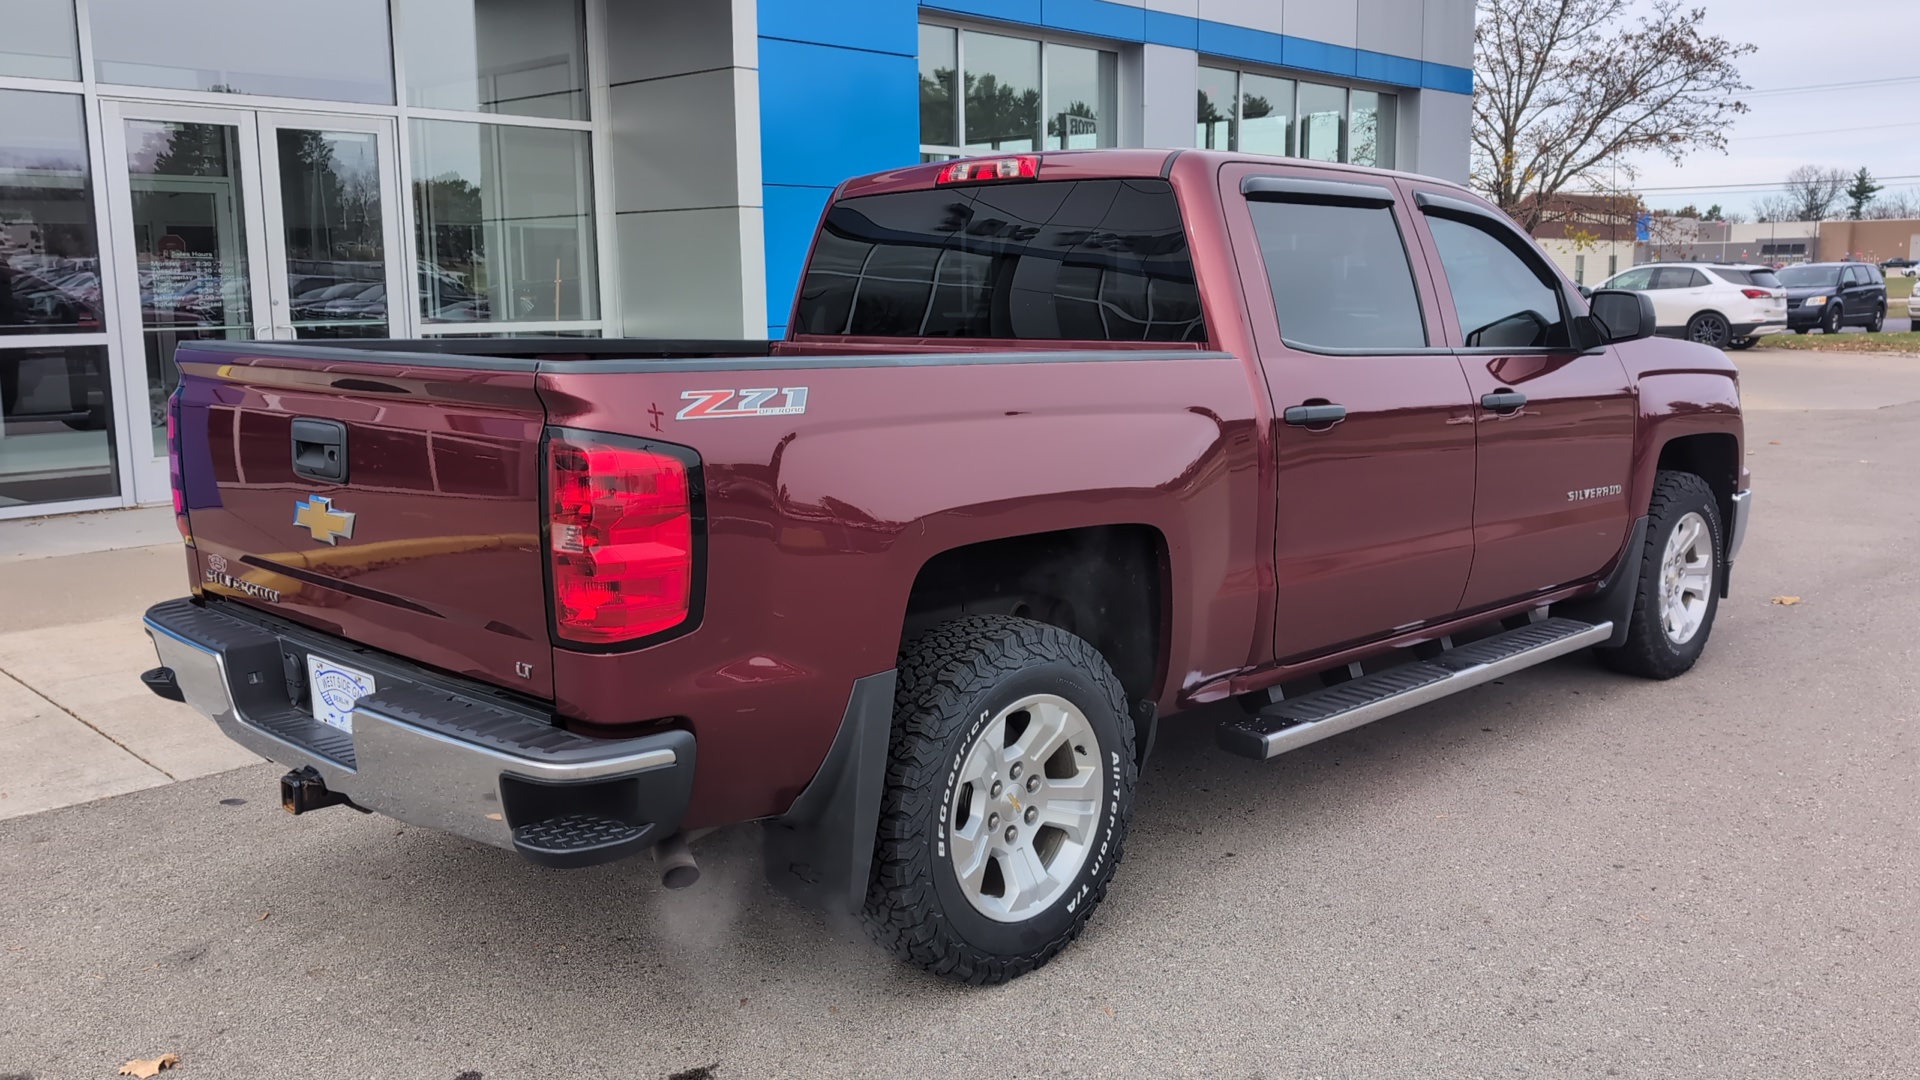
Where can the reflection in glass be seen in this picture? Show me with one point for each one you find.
(190, 246)
(938, 63)
(1003, 92)
(1372, 130)
(56, 425)
(1266, 115)
(1081, 98)
(336, 263)
(520, 57)
(281, 48)
(49, 250)
(1321, 110)
(37, 39)
(1214, 126)
(505, 223)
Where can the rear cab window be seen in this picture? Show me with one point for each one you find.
(1338, 267)
(1086, 260)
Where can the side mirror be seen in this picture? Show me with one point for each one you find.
(1622, 315)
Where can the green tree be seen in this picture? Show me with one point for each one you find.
(1860, 193)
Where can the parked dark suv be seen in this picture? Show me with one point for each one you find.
(1836, 294)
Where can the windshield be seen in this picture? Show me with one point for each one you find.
(1794, 277)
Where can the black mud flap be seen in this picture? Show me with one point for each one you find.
(820, 852)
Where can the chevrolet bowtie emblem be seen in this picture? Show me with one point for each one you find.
(316, 514)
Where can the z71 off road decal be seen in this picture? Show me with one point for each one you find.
(722, 404)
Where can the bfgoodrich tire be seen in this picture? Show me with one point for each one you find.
(1678, 592)
(1010, 784)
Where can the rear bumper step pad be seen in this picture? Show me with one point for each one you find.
(1296, 722)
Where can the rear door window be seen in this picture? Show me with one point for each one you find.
(1340, 276)
(1092, 260)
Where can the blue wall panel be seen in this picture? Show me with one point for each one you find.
(792, 214)
(1097, 18)
(1380, 67)
(1020, 11)
(828, 113)
(873, 25)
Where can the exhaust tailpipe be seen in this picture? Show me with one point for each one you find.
(677, 866)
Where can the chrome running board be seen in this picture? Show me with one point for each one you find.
(1297, 722)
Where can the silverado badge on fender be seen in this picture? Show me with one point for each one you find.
(316, 514)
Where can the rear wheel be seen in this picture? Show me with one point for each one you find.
(1742, 343)
(1830, 321)
(1878, 322)
(1708, 328)
(1010, 783)
(1678, 591)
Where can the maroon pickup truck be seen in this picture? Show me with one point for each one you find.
(1056, 446)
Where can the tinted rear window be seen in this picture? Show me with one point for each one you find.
(1764, 279)
(1096, 260)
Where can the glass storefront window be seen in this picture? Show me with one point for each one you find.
(336, 254)
(1322, 109)
(1214, 125)
(1003, 92)
(505, 220)
(1266, 115)
(280, 48)
(56, 425)
(49, 247)
(1372, 130)
(939, 67)
(190, 246)
(37, 39)
(520, 57)
(1082, 104)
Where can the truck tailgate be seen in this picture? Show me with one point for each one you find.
(429, 547)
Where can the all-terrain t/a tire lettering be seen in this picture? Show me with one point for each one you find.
(956, 683)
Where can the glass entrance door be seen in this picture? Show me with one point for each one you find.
(240, 225)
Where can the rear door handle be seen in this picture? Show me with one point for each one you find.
(1504, 401)
(1308, 415)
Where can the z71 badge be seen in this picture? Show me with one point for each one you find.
(722, 404)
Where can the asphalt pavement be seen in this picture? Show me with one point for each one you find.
(1565, 874)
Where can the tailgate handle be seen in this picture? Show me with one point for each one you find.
(320, 450)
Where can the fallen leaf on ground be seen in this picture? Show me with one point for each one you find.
(145, 1067)
(263, 916)
(1773, 442)
(1108, 1009)
(1785, 601)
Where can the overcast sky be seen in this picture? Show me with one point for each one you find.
(1807, 44)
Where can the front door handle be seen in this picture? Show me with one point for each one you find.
(1309, 415)
(1504, 401)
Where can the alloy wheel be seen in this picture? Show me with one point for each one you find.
(1686, 578)
(1027, 808)
(1711, 330)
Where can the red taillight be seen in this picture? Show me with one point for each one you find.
(1023, 167)
(1756, 294)
(174, 474)
(620, 539)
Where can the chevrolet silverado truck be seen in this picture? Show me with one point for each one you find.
(1055, 446)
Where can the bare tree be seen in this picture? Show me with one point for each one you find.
(1895, 205)
(1776, 207)
(1814, 190)
(1565, 88)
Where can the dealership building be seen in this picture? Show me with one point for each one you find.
(173, 170)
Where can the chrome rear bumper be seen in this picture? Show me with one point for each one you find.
(421, 750)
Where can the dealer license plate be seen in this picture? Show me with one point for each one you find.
(335, 688)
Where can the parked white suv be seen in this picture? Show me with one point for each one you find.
(1725, 306)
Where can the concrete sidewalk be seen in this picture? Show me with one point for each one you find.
(74, 718)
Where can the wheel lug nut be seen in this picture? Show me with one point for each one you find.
(1033, 783)
(994, 793)
(993, 821)
(1014, 772)
(1033, 812)
(1012, 834)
